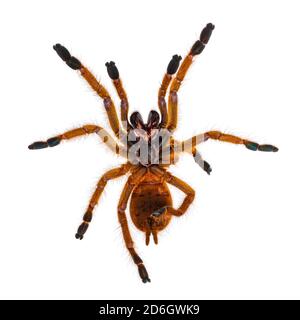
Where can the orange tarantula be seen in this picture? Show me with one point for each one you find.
(148, 147)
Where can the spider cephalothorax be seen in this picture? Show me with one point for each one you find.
(148, 147)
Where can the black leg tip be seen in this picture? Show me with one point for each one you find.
(143, 273)
(74, 63)
(65, 55)
(63, 52)
(251, 145)
(207, 168)
(52, 142)
(206, 33)
(210, 26)
(78, 236)
(38, 145)
(174, 64)
(197, 48)
(267, 148)
(81, 230)
(263, 147)
(112, 70)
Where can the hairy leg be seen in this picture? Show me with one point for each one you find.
(217, 135)
(196, 49)
(86, 129)
(132, 182)
(113, 73)
(170, 153)
(109, 175)
(75, 64)
(172, 68)
(181, 185)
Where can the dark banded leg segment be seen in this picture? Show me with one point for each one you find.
(260, 147)
(75, 64)
(217, 135)
(65, 55)
(52, 142)
(113, 73)
(196, 49)
(171, 69)
(87, 218)
(201, 162)
(87, 129)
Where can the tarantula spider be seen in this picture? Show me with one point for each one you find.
(149, 149)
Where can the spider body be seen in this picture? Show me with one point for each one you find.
(148, 198)
(148, 147)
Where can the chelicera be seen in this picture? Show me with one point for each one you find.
(149, 148)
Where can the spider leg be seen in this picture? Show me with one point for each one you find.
(133, 180)
(171, 152)
(181, 185)
(196, 49)
(109, 175)
(201, 162)
(113, 73)
(217, 135)
(86, 129)
(172, 68)
(168, 154)
(75, 64)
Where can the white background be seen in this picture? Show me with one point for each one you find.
(240, 238)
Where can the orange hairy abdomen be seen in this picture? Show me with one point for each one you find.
(146, 198)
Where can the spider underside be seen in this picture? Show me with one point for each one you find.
(149, 149)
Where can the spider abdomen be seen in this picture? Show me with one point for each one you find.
(147, 198)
